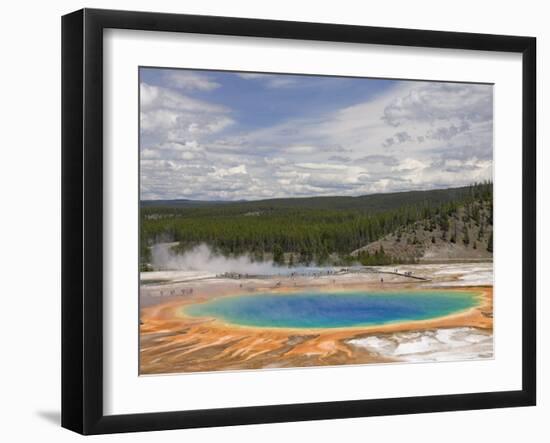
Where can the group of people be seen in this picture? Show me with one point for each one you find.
(183, 291)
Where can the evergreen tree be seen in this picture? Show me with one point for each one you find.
(305, 256)
(258, 255)
(278, 255)
(323, 255)
(291, 261)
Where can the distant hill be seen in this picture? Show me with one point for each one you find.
(370, 203)
(181, 203)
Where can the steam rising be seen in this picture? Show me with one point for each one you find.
(202, 258)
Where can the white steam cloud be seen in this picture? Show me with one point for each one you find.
(202, 258)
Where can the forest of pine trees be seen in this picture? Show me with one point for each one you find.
(304, 235)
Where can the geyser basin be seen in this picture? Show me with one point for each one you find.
(333, 310)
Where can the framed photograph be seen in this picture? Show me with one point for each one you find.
(268, 221)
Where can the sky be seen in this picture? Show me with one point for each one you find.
(214, 135)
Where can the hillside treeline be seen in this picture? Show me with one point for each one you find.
(292, 233)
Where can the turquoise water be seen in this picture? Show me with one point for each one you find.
(333, 310)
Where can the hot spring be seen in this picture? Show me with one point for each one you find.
(333, 310)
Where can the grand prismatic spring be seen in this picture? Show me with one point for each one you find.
(333, 310)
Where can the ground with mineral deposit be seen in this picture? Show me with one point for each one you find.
(173, 341)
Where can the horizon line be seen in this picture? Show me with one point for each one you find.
(314, 196)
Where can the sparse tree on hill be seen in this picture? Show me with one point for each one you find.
(453, 236)
(466, 236)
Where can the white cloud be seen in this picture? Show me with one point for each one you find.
(236, 170)
(323, 166)
(189, 81)
(409, 164)
(300, 149)
(433, 101)
(170, 115)
(417, 135)
(281, 82)
(272, 81)
(250, 75)
(154, 97)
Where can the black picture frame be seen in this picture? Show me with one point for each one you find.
(82, 218)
